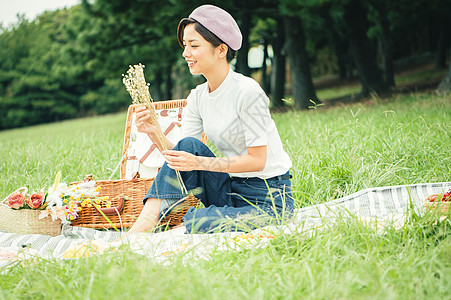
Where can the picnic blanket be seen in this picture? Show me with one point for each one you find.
(381, 203)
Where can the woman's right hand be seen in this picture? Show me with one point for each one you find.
(143, 121)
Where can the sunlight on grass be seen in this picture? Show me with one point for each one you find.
(400, 79)
(420, 76)
(336, 92)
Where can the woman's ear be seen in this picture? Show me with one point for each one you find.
(223, 48)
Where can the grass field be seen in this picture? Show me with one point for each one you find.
(335, 152)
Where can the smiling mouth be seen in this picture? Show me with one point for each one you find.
(191, 63)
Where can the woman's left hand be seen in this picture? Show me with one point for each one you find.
(181, 160)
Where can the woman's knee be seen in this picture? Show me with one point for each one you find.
(194, 146)
(187, 143)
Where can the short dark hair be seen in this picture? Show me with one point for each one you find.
(206, 34)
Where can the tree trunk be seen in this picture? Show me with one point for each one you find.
(278, 67)
(156, 86)
(168, 85)
(362, 49)
(442, 42)
(301, 78)
(445, 85)
(338, 43)
(242, 65)
(264, 83)
(386, 42)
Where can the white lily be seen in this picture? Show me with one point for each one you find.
(54, 195)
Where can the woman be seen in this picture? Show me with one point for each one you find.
(252, 180)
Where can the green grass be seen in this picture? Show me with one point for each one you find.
(410, 78)
(32, 156)
(335, 152)
(418, 77)
(341, 91)
(339, 151)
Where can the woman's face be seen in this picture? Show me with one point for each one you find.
(200, 54)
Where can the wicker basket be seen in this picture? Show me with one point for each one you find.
(126, 194)
(126, 197)
(126, 203)
(26, 221)
(159, 105)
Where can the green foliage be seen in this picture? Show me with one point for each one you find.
(68, 63)
(110, 97)
(44, 78)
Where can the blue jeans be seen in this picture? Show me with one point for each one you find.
(231, 203)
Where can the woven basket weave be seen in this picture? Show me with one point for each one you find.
(159, 105)
(131, 191)
(26, 221)
(126, 197)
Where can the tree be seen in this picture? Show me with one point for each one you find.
(445, 85)
(69, 63)
(33, 93)
(337, 40)
(385, 40)
(132, 32)
(242, 64)
(295, 48)
(362, 48)
(301, 79)
(441, 12)
(278, 66)
(270, 31)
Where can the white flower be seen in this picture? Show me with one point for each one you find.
(44, 214)
(54, 212)
(54, 195)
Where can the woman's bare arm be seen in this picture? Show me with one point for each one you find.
(253, 161)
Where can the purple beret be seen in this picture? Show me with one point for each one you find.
(219, 22)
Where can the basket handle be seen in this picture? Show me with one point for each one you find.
(136, 176)
(112, 210)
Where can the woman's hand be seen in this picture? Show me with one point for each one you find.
(181, 160)
(145, 125)
(143, 122)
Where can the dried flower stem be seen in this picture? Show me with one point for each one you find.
(138, 89)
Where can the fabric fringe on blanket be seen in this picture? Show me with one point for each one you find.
(374, 203)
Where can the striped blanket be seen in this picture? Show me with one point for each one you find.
(380, 203)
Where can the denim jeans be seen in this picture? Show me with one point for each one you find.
(231, 203)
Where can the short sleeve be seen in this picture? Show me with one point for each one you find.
(191, 120)
(255, 117)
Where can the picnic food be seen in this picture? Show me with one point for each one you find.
(86, 249)
(446, 197)
(7, 255)
(441, 200)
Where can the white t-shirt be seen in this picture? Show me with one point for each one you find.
(236, 116)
